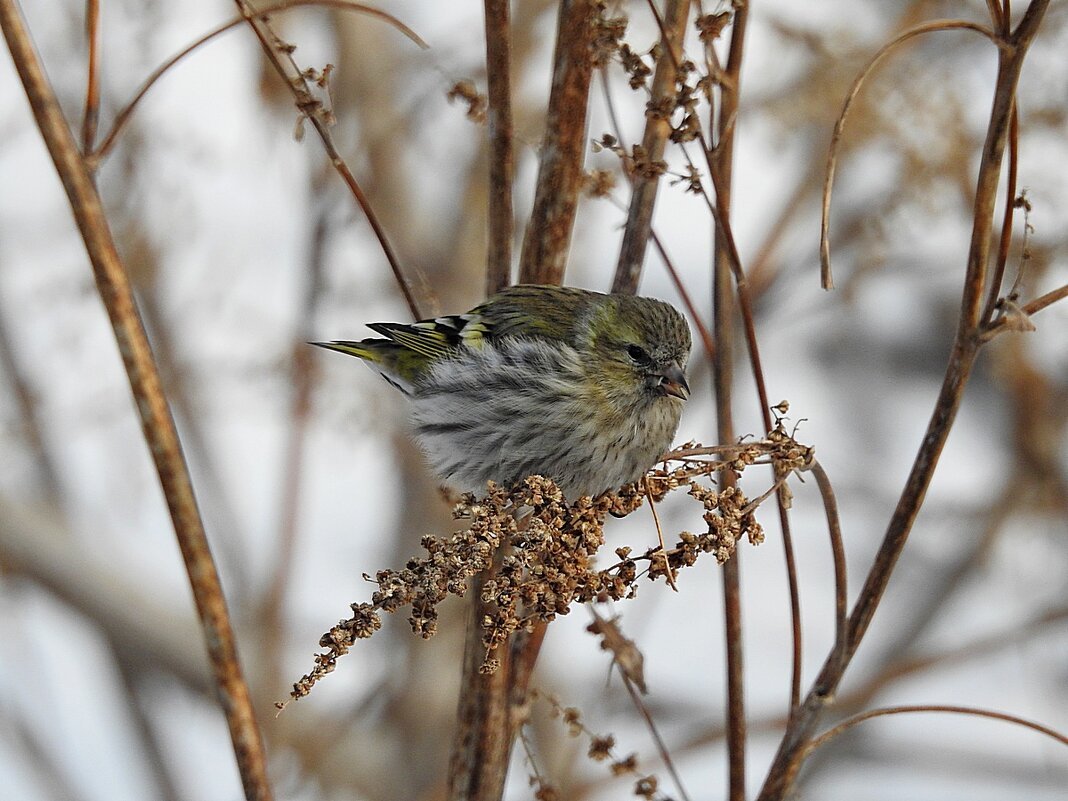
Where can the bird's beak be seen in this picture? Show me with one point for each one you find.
(673, 382)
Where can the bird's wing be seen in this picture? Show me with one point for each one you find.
(433, 338)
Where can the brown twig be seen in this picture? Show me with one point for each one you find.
(826, 279)
(310, 108)
(123, 117)
(687, 301)
(657, 129)
(1005, 241)
(560, 174)
(727, 265)
(962, 360)
(661, 746)
(845, 725)
(502, 155)
(834, 529)
(669, 573)
(482, 745)
(156, 421)
(673, 273)
(91, 115)
(1003, 323)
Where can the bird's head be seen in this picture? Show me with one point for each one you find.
(640, 348)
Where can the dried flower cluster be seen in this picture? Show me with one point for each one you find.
(602, 749)
(476, 102)
(539, 549)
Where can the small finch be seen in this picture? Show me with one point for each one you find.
(583, 388)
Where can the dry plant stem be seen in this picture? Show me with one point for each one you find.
(486, 728)
(724, 233)
(673, 273)
(1012, 636)
(834, 528)
(845, 725)
(724, 308)
(695, 318)
(91, 115)
(156, 421)
(482, 745)
(525, 646)
(657, 129)
(669, 574)
(502, 152)
(123, 117)
(962, 359)
(307, 106)
(661, 747)
(826, 278)
(1005, 241)
(560, 174)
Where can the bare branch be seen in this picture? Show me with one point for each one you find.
(657, 129)
(548, 235)
(826, 280)
(502, 155)
(156, 421)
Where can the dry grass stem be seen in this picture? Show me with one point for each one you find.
(157, 423)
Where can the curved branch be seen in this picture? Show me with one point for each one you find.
(127, 111)
(849, 723)
(826, 281)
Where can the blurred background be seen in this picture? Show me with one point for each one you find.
(243, 245)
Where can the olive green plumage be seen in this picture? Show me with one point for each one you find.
(582, 387)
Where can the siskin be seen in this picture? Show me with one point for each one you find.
(581, 387)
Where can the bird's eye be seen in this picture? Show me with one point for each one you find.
(637, 353)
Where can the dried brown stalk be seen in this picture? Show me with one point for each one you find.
(502, 153)
(156, 421)
(124, 115)
(826, 278)
(91, 115)
(646, 183)
(563, 148)
(311, 109)
(724, 259)
(962, 359)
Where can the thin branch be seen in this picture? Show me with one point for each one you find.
(845, 725)
(725, 265)
(687, 301)
(661, 747)
(560, 174)
(673, 273)
(91, 115)
(962, 360)
(502, 154)
(156, 421)
(657, 129)
(123, 117)
(311, 109)
(669, 573)
(826, 280)
(482, 742)
(1005, 241)
(834, 529)
(1002, 323)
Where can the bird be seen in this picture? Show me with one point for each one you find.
(581, 387)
